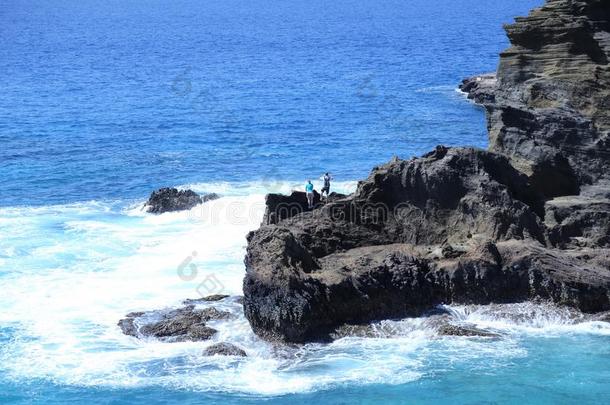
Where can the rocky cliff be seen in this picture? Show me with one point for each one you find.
(456, 225)
(551, 99)
(528, 219)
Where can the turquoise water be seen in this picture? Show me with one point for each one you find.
(103, 102)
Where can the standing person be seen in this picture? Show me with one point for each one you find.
(309, 192)
(326, 189)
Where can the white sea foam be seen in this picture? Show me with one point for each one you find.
(540, 319)
(69, 273)
(443, 88)
(267, 186)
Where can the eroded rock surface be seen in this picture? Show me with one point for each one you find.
(279, 206)
(552, 95)
(172, 199)
(209, 298)
(173, 325)
(457, 225)
(481, 89)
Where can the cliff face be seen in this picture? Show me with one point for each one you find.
(528, 219)
(552, 100)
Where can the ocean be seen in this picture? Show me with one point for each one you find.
(103, 102)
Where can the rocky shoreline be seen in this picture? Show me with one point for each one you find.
(528, 219)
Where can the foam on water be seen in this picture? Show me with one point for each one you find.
(68, 273)
(542, 319)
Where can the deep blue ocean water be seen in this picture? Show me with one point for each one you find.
(102, 102)
(113, 99)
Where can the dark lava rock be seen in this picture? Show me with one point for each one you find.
(177, 325)
(481, 89)
(279, 207)
(579, 221)
(224, 349)
(393, 281)
(213, 314)
(360, 259)
(449, 252)
(335, 196)
(365, 331)
(172, 199)
(209, 298)
(127, 324)
(449, 329)
(209, 197)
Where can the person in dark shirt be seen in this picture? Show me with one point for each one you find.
(326, 188)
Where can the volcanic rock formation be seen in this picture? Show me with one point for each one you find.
(171, 199)
(528, 219)
(175, 325)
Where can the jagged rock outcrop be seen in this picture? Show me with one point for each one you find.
(224, 349)
(209, 298)
(279, 206)
(171, 199)
(173, 325)
(481, 89)
(415, 234)
(526, 220)
(582, 220)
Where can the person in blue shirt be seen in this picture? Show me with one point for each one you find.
(309, 193)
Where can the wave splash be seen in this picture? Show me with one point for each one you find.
(68, 273)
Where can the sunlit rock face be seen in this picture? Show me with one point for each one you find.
(552, 101)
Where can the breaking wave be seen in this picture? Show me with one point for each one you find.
(68, 273)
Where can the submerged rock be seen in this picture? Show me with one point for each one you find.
(449, 329)
(128, 325)
(176, 325)
(209, 197)
(224, 349)
(441, 324)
